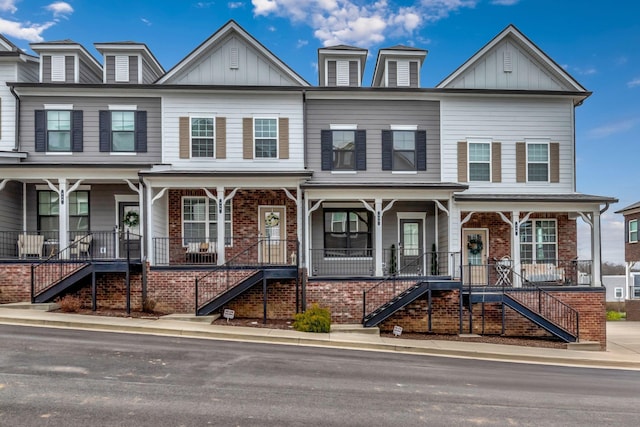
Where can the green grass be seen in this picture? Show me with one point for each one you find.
(616, 315)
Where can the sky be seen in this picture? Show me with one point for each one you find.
(597, 42)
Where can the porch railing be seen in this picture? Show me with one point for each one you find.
(36, 247)
(409, 262)
(499, 272)
(343, 262)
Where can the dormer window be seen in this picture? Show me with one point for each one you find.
(122, 68)
(58, 71)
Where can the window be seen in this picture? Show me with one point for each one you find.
(58, 130)
(404, 150)
(538, 241)
(123, 127)
(347, 232)
(344, 150)
(479, 161)
(633, 231)
(266, 138)
(618, 293)
(49, 212)
(538, 162)
(200, 220)
(202, 137)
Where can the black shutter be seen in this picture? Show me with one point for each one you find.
(76, 131)
(105, 131)
(421, 150)
(361, 150)
(387, 150)
(626, 231)
(141, 131)
(326, 150)
(41, 131)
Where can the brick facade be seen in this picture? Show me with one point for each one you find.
(631, 249)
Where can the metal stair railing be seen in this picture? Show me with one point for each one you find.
(389, 288)
(263, 252)
(55, 268)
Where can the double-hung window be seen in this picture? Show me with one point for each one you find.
(123, 131)
(537, 162)
(404, 150)
(347, 232)
(539, 241)
(344, 150)
(202, 137)
(633, 231)
(200, 220)
(58, 130)
(480, 161)
(49, 212)
(266, 138)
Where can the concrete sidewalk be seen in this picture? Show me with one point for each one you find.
(623, 338)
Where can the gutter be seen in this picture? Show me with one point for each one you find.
(16, 146)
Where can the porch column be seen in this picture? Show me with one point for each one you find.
(148, 233)
(515, 246)
(378, 245)
(596, 250)
(63, 218)
(220, 247)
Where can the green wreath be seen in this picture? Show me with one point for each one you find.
(131, 219)
(272, 220)
(475, 245)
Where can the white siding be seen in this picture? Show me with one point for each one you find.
(234, 107)
(508, 120)
(7, 108)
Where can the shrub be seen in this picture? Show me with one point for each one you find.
(148, 305)
(615, 315)
(315, 319)
(69, 303)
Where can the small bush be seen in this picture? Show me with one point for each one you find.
(69, 304)
(615, 315)
(315, 319)
(148, 305)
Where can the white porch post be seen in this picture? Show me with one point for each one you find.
(63, 219)
(596, 250)
(148, 234)
(220, 247)
(515, 246)
(378, 245)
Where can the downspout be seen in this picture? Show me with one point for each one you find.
(143, 239)
(17, 119)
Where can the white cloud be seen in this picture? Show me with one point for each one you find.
(612, 238)
(204, 4)
(146, 21)
(24, 31)
(8, 6)
(613, 128)
(633, 83)
(356, 22)
(505, 2)
(235, 4)
(302, 43)
(60, 9)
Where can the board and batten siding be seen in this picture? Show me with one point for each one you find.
(235, 108)
(373, 116)
(509, 121)
(7, 108)
(91, 146)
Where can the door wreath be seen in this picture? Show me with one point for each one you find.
(475, 245)
(131, 219)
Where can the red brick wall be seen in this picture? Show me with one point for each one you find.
(15, 283)
(500, 233)
(631, 250)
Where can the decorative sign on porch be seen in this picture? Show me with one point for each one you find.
(397, 330)
(228, 314)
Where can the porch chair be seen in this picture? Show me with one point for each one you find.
(80, 245)
(30, 244)
(546, 272)
(201, 252)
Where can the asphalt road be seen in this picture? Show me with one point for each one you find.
(54, 377)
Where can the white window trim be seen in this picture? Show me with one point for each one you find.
(629, 231)
(277, 156)
(618, 293)
(546, 142)
(122, 153)
(479, 141)
(202, 116)
(343, 127)
(122, 107)
(533, 236)
(210, 204)
(404, 127)
(62, 107)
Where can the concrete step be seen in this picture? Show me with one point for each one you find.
(192, 317)
(48, 306)
(584, 346)
(354, 329)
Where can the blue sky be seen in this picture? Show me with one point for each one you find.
(596, 42)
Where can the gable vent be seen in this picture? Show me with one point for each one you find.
(57, 68)
(342, 71)
(233, 60)
(403, 73)
(122, 68)
(507, 63)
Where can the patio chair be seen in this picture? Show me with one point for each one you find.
(81, 245)
(30, 244)
(199, 252)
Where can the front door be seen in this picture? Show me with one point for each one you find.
(128, 226)
(474, 256)
(273, 234)
(411, 252)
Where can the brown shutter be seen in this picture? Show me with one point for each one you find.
(247, 138)
(183, 137)
(221, 137)
(521, 162)
(496, 162)
(462, 161)
(283, 133)
(554, 162)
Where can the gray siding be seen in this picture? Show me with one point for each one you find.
(353, 74)
(111, 69)
(28, 72)
(331, 73)
(413, 74)
(374, 116)
(91, 150)
(87, 75)
(148, 76)
(69, 69)
(392, 71)
(46, 68)
(11, 206)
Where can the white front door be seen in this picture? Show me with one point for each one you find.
(273, 234)
(475, 245)
(128, 225)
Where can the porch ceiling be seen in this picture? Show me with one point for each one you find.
(574, 202)
(36, 173)
(240, 179)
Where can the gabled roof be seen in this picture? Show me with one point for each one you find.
(511, 33)
(628, 209)
(131, 46)
(230, 28)
(397, 51)
(67, 46)
(341, 51)
(7, 48)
